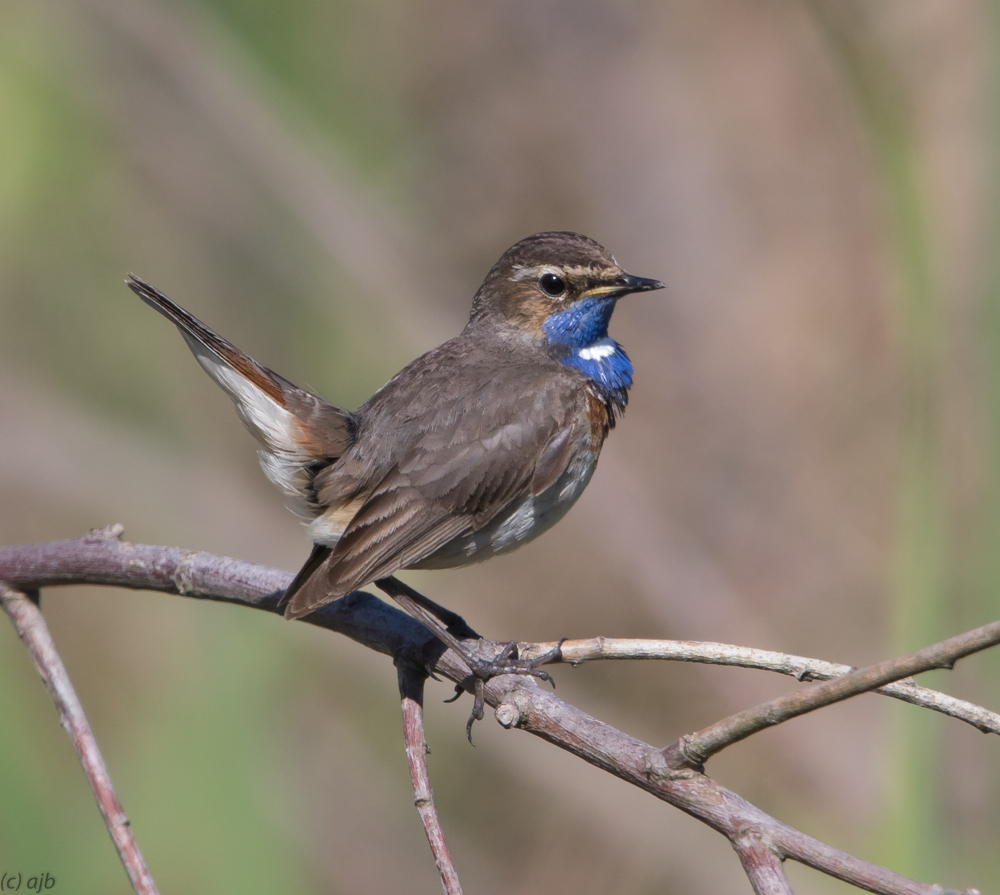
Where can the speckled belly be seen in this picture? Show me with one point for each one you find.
(523, 520)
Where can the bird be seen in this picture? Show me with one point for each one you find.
(471, 450)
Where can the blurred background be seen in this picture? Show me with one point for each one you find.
(810, 461)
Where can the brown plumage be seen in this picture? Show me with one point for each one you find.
(469, 451)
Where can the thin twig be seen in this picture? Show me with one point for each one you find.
(762, 863)
(525, 705)
(98, 559)
(576, 652)
(693, 750)
(34, 633)
(519, 702)
(411, 691)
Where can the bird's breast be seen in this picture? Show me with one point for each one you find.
(524, 520)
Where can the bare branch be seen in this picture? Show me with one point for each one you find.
(519, 702)
(575, 652)
(34, 633)
(98, 559)
(695, 749)
(205, 576)
(525, 705)
(411, 691)
(762, 863)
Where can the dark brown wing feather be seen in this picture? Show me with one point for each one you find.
(405, 538)
(553, 460)
(460, 440)
(317, 558)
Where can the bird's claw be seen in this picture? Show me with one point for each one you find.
(506, 662)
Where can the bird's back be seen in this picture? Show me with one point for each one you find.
(464, 423)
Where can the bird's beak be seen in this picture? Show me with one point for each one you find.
(624, 285)
(630, 283)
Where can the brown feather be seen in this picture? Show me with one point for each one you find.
(553, 461)
(191, 326)
(319, 555)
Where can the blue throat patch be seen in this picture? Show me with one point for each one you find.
(581, 332)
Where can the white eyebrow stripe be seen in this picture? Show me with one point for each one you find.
(527, 273)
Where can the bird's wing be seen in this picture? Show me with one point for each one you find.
(454, 479)
(296, 429)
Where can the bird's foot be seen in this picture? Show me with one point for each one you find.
(453, 632)
(506, 661)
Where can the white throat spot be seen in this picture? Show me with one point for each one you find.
(597, 352)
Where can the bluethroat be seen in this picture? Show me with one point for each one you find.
(471, 450)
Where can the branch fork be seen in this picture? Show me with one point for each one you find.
(674, 774)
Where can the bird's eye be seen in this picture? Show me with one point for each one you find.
(552, 285)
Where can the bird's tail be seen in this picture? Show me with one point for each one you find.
(298, 431)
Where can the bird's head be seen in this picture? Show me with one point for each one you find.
(562, 288)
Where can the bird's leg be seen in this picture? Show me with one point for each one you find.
(445, 624)
(449, 627)
(452, 621)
